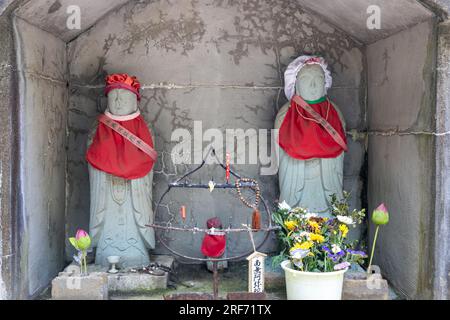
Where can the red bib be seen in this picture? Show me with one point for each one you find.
(303, 138)
(112, 153)
(213, 246)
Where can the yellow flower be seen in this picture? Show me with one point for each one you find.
(304, 245)
(290, 225)
(316, 237)
(315, 226)
(344, 229)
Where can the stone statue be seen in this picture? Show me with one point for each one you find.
(121, 179)
(310, 160)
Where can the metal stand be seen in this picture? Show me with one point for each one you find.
(179, 183)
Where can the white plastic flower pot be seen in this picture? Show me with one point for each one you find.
(302, 285)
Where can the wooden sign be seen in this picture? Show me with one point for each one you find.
(256, 272)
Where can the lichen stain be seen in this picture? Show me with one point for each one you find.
(157, 102)
(54, 7)
(273, 26)
(169, 34)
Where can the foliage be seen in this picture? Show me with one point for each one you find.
(319, 244)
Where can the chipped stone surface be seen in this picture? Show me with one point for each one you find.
(227, 37)
(401, 167)
(442, 200)
(43, 54)
(398, 67)
(363, 289)
(136, 282)
(215, 61)
(74, 287)
(402, 250)
(44, 116)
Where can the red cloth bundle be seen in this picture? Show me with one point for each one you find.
(213, 245)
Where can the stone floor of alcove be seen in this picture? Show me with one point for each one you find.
(195, 278)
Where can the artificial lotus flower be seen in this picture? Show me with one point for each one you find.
(81, 242)
(345, 219)
(284, 206)
(380, 215)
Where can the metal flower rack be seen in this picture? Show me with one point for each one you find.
(182, 183)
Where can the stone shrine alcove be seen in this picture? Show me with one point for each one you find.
(219, 64)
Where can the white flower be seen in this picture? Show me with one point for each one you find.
(304, 234)
(299, 253)
(335, 248)
(284, 206)
(298, 263)
(344, 219)
(310, 215)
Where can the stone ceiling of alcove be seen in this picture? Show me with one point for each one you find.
(51, 15)
(348, 15)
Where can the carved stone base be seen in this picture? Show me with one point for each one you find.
(99, 283)
(358, 287)
(69, 286)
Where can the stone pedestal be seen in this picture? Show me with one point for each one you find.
(71, 286)
(99, 283)
(136, 282)
(358, 287)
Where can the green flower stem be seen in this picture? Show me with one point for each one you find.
(373, 248)
(85, 262)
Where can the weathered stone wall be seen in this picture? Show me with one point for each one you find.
(442, 208)
(7, 137)
(216, 61)
(401, 105)
(42, 69)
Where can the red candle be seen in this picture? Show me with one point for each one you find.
(183, 212)
(228, 167)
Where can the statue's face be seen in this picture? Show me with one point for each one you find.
(310, 84)
(122, 102)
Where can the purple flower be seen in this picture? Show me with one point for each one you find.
(325, 248)
(336, 256)
(333, 257)
(342, 266)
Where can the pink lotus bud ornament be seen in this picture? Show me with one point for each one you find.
(82, 241)
(81, 233)
(380, 215)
